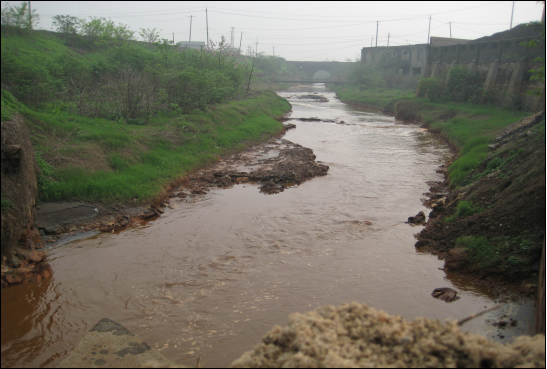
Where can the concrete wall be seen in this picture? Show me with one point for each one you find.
(406, 59)
(503, 64)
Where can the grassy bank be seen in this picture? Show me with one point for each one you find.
(112, 161)
(469, 127)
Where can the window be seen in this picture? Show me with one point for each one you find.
(472, 47)
(484, 46)
(463, 48)
(494, 45)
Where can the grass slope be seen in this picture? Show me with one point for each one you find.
(110, 161)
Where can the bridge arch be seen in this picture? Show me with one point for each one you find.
(321, 74)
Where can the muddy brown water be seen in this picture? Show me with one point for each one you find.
(213, 276)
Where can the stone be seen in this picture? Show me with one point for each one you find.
(53, 229)
(13, 278)
(417, 219)
(445, 294)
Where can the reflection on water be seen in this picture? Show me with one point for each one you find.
(214, 276)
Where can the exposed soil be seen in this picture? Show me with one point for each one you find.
(315, 97)
(512, 202)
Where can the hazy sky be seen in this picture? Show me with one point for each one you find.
(331, 30)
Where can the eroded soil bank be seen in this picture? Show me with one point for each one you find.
(493, 228)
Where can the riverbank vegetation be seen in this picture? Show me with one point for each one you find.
(113, 119)
(492, 223)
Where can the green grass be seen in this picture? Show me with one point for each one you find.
(503, 253)
(138, 161)
(469, 127)
(464, 209)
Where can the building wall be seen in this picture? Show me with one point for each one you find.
(407, 59)
(503, 64)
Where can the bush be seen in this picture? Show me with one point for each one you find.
(430, 87)
(463, 85)
(482, 253)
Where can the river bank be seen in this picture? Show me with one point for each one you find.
(104, 186)
(488, 216)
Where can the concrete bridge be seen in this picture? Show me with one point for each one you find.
(318, 72)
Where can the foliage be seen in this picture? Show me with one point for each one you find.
(463, 85)
(366, 76)
(100, 27)
(502, 253)
(67, 23)
(150, 36)
(117, 79)
(19, 16)
(464, 209)
(6, 204)
(537, 74)
(430, 87)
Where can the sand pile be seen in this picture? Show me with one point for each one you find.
(355, 335)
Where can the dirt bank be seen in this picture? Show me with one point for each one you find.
(355, 335)
(493, 228)
(19, 190)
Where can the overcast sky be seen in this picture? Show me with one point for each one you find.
(311, 31)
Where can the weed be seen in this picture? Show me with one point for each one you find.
(6, 204)
(482, 253)
(464, 209)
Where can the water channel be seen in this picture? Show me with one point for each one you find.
(212, 277)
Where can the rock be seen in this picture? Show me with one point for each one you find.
(54, 229)
(445, 294)
(13, 278)
(422, 243)
(32, 256)
(417, 219)
(456, 259)
(44, 269)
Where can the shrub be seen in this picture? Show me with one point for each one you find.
(430, 87)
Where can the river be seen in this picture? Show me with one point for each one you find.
(212, 277)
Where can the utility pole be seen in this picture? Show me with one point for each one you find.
(190, 39)
(207, 23)
(232, 39)
(240, 39)
(429, 29)
(377, 34)
(30, 16)
(388, 39)
(256, 48)
(173, 38)
(273, 50)
(371, 38)
(450, 24)
(512, 11)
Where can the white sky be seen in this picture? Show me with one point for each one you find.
(311, 31)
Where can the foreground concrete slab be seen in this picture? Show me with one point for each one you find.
(111, 345)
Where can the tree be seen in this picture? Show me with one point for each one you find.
(106, 29)
(150, 35)
(18, 16)
(67, 23)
